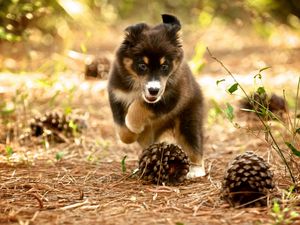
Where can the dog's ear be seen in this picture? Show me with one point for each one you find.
(171, 22)
(133, 33)
(173, 27)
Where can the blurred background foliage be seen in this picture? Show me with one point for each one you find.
(32, 26)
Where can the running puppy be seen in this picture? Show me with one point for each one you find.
(152, 92)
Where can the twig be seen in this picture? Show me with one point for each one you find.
(238, 214)
(34, 216)
(163, 189)
(90, 207)
(115, 200)
(81, 194)
(40, 201)
(23, 223)
(209, 175)
(167, 208)
(274, 143)
(76, 205)
(248, 203)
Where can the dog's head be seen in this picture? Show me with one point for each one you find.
(150, 55)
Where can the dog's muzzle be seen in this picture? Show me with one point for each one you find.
(152, 92)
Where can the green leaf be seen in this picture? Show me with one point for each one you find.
(261, 70)
(295, 151)
(258, 75)
(297, 131)
(123, 164)
(8, 108)
(264, 68)
(294, 214)
(219, 81)
(9, 151)
(261, 90)
(179, 223)
(59, 156)
(276, 208)
(68, 110)
(229, 112)
(291, 189)
(216, 107)
(83, 48)
(233, 88)
(248, 110)
(73, 126)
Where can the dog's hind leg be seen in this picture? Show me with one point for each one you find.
(197, 168)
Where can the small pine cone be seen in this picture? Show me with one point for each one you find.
(260, 102)
(247, 179)
(36, 126)
(97, 68)
(55, 122)
(277, 104)
(164, 162)
(52, 121)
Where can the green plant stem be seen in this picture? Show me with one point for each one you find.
(296, 109)
(276, 147)
(290, 127)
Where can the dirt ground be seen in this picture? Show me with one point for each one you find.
(87, 185)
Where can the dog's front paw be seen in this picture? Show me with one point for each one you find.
(196, 171)
(126, 135)
(133, 124)
(137, 117)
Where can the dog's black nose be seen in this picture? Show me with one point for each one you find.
(153, 91)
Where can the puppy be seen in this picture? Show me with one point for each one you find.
(153, 94)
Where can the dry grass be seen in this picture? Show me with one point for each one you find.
(88, 185)
(81, 193)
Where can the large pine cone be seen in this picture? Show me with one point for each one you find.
(247, 180)
(164, 163)
(56, 122)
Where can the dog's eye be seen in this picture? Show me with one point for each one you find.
(164, 67)
(142, 67)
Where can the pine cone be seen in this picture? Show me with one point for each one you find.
(97, 68)
(262, 102)
(247, 179)
(164, 162)
(55, 122)
(277, 104)
(36, 126)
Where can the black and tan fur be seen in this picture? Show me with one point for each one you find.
(152, 92)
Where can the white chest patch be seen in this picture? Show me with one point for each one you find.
(125, 97)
